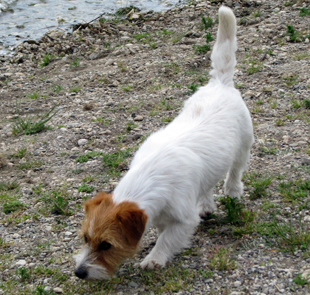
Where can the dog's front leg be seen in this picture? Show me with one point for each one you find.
(171, 241)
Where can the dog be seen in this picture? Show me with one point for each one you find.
(171, 179)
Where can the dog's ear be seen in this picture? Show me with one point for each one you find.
(96, 201)
(133, 221)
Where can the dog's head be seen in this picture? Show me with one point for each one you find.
(111, 233)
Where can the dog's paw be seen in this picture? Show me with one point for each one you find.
(150, 263)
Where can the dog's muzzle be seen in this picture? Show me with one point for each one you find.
(81, 273)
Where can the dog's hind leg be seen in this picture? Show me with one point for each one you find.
(171, 241)
(233, 185)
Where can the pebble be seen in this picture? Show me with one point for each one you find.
(21, 262)
(138, 118)
(58, 290)
(82, 142)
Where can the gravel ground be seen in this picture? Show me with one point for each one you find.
(103, 90)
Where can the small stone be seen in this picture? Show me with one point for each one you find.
(58, 290)
(133, 285)
(138, 118)
(305, 161)
(248, 94)
(21, 262)
(68, 233)
(286, 139)
(82, 141)
(237, 284)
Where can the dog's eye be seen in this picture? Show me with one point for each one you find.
(104, 246)
(85, 239)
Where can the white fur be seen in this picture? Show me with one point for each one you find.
(86, 258)
(173, 174)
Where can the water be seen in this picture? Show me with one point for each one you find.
(30, 19)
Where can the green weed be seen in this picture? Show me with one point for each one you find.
(259, 184)
(220, 260)
(254, 66)
(88, 179)
(292, 33)
(234, 210)
(86, 188)
(58, 202)
(307, 103)
(32, 125)
(167, 120)
(294, 190)
(300, 280)
(304, 12)
(88, 156)
(193, 87)
(8, 186)
(76, 89)
(12, 206)
(23, 273)
(206, 23)
(130, 126)
(47, 59)
(21, 153)
(290, 80)
(35, 95)
(127, 88)
(115, 162)
(75, 62)
(201, 49)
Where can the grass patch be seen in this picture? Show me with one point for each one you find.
(32, 125)
(292, 33)
(127, 88)
(12, 206)
(8, 186)
(76, 89)
(131, 126)
(34, 95)
(30, 165)
(206, 23)
(293, 191)
(75, 62)
(300, 280)
(193, 87)
(220, 260)
(234, 210)
(47, 59)
(304, 12)
(286, 236)
(307, 103)
(23, 274)
(254, 66)
(290, 80)
(259, 184)
(202, 49)
(57, 202)
(85, 188)
(116, 162)
(88, 156)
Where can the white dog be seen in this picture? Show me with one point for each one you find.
(171, 178)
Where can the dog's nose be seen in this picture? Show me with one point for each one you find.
(81, 272)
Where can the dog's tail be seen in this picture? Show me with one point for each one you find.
(223, 54)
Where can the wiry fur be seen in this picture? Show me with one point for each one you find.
(172, 176)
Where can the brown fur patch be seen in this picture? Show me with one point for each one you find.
(122, 225)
